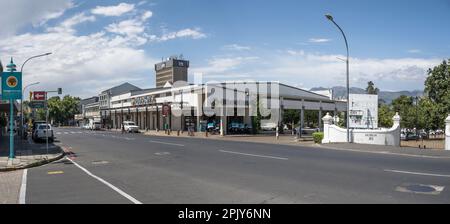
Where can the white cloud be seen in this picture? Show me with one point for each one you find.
(69, 24)
(117, 10)
(224, 65)
(146, 15)
(313, 70)
(319, 40)
(192, 33)
(127, 27)
(236, 47)
(20, 13)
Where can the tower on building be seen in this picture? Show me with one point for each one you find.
(171, 70)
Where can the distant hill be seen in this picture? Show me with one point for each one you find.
(388, 97)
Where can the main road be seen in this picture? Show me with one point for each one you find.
(110, 167)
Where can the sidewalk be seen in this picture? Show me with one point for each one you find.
(285, 139)
(393, 150)
(28, 154)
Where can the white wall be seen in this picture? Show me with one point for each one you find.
(447, 133)
(335, 134)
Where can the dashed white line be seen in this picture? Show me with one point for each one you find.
(254, 155)
(168, 143)
(127, 196)
(418, 173)
(23, 187)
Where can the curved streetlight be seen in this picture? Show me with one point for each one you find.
(21, 99)
(330, 17)
(21, 104)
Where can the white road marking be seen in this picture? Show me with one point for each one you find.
(66, 133)
(417, 173)
(58, 133)
(247, 154)
(127, 196)
(168, 143)
(23, 187)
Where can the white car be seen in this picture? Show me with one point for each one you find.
(268, 126)
(130, 126)
(41, 133)
(95, 125)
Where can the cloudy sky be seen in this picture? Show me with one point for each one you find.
(98, 44)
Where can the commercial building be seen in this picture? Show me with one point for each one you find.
(170, 71)
(225, 104)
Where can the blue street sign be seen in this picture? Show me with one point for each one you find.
(11, 85)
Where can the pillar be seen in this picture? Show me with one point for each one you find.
(447, 133)
(320, 117)
(223, 125)
(327, 121)
(302, 120)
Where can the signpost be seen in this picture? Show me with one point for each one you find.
(37, 104)
(11, 90)
(39, 95)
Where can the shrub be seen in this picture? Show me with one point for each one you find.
(317, 136)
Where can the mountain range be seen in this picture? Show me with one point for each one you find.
(339, 92)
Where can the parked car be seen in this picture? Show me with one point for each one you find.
(269, 126)
(130, 126)
(409, 136)
(35, 124)
(95, 125)
(213, 127)
(41, 133)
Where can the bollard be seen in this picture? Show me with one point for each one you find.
(206, 133)
(178, 133)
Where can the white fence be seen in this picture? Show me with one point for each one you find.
(335, 134)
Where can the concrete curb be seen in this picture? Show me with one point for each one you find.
(35, 164)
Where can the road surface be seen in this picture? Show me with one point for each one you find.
(110, 167)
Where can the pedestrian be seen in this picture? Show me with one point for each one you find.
(123, 128)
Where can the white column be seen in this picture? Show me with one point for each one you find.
(447, 133)
(327, 121)
(397, 127)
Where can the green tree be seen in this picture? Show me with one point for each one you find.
(371, 89)
(291, 117)
(437, 89)
(385, 115)
(404, 106)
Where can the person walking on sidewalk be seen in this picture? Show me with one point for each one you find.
(123, 128)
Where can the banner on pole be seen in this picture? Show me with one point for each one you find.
(11, 85)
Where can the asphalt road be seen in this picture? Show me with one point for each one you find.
(109, 167)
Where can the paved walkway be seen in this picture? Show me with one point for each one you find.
(27, 153)
(10, 183)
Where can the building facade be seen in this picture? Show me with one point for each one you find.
(171, 70)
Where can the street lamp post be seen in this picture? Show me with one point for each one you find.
(330, 17)
(21, 100)
(21, 107)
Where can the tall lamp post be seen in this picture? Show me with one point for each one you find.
(21, 100)
(330, 17)
(21, 107)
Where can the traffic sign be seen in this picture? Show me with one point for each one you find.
(39, 95)
(11, 85)
(37, 104)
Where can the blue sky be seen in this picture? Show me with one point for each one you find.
(94, 43)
